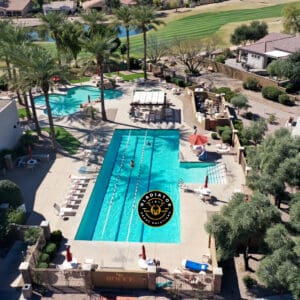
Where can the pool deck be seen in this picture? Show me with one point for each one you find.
(56, 184)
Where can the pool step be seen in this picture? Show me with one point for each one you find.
(217, 173)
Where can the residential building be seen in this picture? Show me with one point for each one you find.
(68, 7)
(94, 4)
(15, 7)
(273, 46)
(10, 130)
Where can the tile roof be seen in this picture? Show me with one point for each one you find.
(128, 2)
(93, 3)
(275, 41)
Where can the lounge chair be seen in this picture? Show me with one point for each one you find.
(194, 266)
(64, 211)
(79, 178)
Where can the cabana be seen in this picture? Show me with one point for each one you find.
(154, 97)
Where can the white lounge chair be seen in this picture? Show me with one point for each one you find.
(64, 211)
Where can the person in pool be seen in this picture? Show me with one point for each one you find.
(132, 163)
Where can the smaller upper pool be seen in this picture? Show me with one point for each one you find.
(62, 105)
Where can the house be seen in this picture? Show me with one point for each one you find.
(10, 130)
(11, 8)
(128, 2)
(273, 46)
(68, 7)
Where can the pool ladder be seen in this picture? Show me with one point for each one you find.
(115, 185)
(136, 187)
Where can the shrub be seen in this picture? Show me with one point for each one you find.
(16, 216)
(238, 124)
(42, 265)
(252, 84)
(168, 78)
(31, 235)
(226, 137)
(272, 119)
(271, 93)
(227, 91)
(220, 59)
(285, 99)
(178, 81)
(214, 136)
(10, 193)
(28, 139)
(56, 237)
(44, 258)
(50, 249)
(221, 129)
(249, 281)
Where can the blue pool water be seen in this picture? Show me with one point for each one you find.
(62, 105)
(111, 214)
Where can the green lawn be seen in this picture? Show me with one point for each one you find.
(81, 79)
(203, 25)
(126, 77)
(67, 141)
(200, 25)
(22, 113)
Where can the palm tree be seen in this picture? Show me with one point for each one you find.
(92, 19)
(54, 23)
(40, 67)
(71, 39)
(125, 18)
(101, 46)
(145, 18)
(291, 18)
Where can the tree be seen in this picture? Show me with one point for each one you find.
(244, 33)
(240, 223)
(54, 23)
(256, 131)
(100, 47)
(71, 37)
(268, 161)
(239, 102)
(280, 269)
(156, 49)
(40, 67)
(189, 53)
(124, 15)
(291, 18)
(94, 20)
(145, 17)
(295, 212)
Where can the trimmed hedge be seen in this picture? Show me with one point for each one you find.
(227, 91)
(285, 100)
(271, 93)
(10, 193)
(252, 84)
(56, 237)
(214, 136)
(44, 258)
(51, 250)
(42, 265)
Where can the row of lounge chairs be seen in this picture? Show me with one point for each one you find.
(73, 199)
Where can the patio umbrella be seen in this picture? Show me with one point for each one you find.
(197, 139)
(206, 181)
(143, 252)
(29, 152)
(69, 254)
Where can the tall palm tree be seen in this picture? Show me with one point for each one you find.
(40, 67)
(53, 23)
(71, 39)
(100, 46)
(145, 18)
(124, 15)
(291, 18)
(94, 19)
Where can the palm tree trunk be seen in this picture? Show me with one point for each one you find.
(51, 123)
(35, 119)
(19, 98)
(128, 42)
(145, 53)
(8, 68)
(27, 106)
(103, 112)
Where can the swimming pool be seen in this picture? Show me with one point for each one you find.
(62, 105)
(111, 214)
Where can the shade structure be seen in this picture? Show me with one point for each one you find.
(143, 253)
(206, 181)
(69, 254)
(197, 139)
